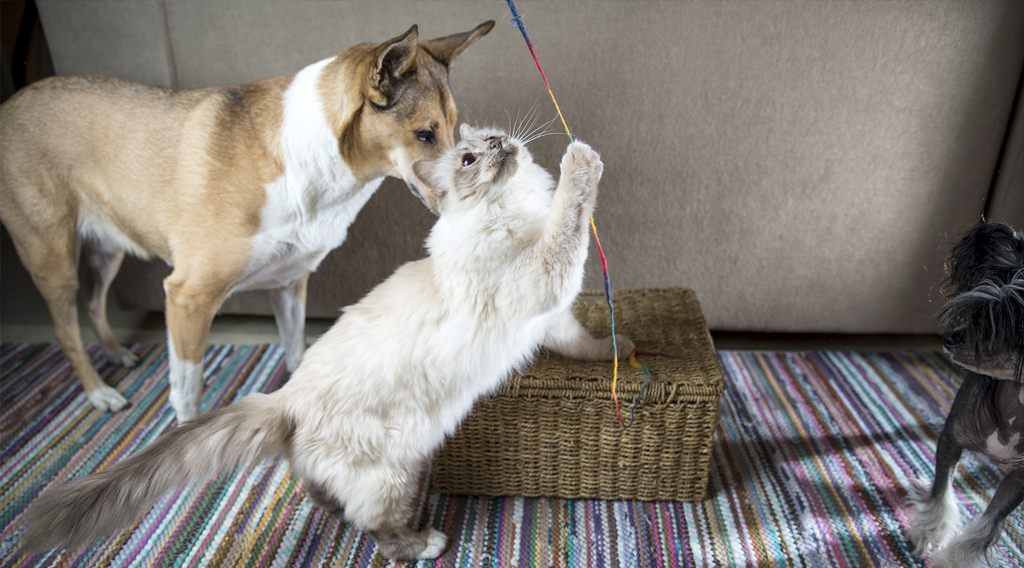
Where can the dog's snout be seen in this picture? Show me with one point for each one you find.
(494, 144)
(953, 339)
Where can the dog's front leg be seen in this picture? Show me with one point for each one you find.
(936, 514)
(289, 304)
(190, 307)
(971, 547)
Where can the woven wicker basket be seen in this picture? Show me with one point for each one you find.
(552, 431)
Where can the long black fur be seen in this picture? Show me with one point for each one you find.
(984, 319)
(985, 306)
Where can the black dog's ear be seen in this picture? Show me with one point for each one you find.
(988, 252)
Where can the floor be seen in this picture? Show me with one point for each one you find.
(24, 318)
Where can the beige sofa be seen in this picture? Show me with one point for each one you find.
(802, 165)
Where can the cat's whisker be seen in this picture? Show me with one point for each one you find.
(518, 123)
(541, 135)
(540, 131)
(509, 118)
(535, 116)
(549, 122)
(524, 125)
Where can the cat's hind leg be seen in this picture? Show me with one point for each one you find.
(567, 337)
(323, 498)
(403, 543)
(381, 504)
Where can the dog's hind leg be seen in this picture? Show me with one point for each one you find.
(51, 260)
(289, 304)
(971, 547)
(936, 514)
(103, 263)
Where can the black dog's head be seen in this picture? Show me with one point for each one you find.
(984, 314)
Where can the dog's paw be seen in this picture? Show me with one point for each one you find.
(957, 556)
(186, 412)
(107, 398)
(971, 546)
(938, 560)
(121, 356)
(934, 522)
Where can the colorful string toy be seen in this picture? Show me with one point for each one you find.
(518, 19)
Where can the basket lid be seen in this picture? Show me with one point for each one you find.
(667, 321)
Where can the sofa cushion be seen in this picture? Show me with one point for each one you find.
(802, 166)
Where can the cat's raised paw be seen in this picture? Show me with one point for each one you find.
(580, 158)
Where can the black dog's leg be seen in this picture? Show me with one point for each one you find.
(970, 547)
(937, 517)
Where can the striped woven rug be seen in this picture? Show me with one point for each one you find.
(810, 468)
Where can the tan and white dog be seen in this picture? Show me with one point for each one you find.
(238, 188)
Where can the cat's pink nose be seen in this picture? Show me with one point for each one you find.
(495, 144)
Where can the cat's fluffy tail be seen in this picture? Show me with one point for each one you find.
(100, 504)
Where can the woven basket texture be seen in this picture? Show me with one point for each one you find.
(552, 431)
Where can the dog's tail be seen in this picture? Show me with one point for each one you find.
(100, 504)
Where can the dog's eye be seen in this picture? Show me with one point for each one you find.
(468, 160)
(425, 136)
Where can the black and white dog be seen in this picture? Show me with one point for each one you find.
(984, 319)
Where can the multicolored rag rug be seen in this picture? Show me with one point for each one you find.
(810, 468)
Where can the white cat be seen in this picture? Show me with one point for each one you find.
(380, 391)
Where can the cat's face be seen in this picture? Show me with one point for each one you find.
(483, 160)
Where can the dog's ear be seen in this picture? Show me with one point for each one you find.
(446, 49)
(431, 188)
(394, 59)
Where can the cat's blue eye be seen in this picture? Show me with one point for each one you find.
(468, 160)
(425, 136)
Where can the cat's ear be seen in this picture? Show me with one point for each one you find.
(432, 188)
(393, 59)
(446, 49)
(466, 131)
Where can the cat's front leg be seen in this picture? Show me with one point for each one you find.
(563, 249)
(567, 337)
(576, 194)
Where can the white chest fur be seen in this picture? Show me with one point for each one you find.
(310, 207)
